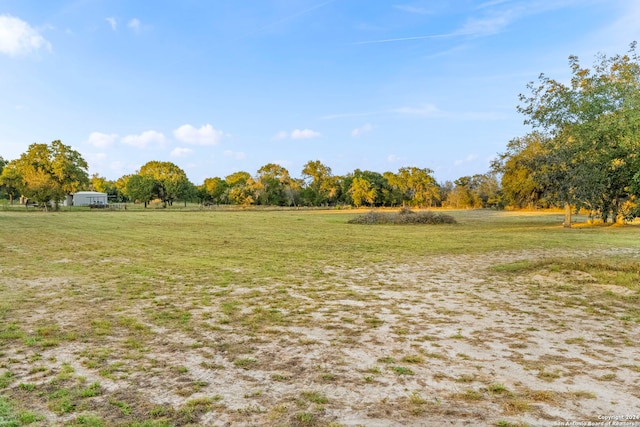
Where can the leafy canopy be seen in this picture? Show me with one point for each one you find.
(589, 153)
(46, 173)
(171, 182)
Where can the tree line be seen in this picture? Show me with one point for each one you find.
(47, 173)
(583, 152)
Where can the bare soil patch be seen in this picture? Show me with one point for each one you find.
(443, 341)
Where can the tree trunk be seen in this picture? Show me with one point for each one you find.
(615, 214)
(567, 216)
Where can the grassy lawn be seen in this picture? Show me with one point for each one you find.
(184, 317)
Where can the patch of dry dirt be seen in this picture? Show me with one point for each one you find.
(442, 342)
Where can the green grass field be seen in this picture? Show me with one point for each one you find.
(296, 318)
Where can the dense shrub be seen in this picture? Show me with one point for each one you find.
(404, 216)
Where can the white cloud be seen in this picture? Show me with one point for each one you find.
(101, 140)
(96, 161)
(205, 135)
(362, 130)
(495, 17)
(134, 24)
(93, 158)
(181, 152)
(112, 22)
(238, 155)
(19, 38)
(119, 168)
(145, 139)
(469, 158)
(499, 14)
(304, 134)
(486, 26)
(392, 158)
(296, 134)
(281, 135)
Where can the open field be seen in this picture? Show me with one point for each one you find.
(296, 318)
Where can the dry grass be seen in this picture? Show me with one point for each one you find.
(298, 318)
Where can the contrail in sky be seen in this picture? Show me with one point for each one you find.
(401, 39)
(290, 17)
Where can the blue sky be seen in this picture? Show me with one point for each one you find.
(222, 86)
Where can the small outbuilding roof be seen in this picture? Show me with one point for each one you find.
(91, 193)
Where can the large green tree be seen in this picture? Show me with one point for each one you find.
(10, 181)
(417, 186)
(321, 187)
(522, 168)
(171, 182)
(3, 163)
(47, 173)
(140, 188)
(477, 191)
(104, 185)
(377, 181)
(121, 186)
(215, 190)
(99, 183)
(392, 193)
(241, 188)
(593, 124)
(273, 185)
(362, 191)
(461, 195)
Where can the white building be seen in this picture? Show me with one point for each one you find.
(86, 198)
